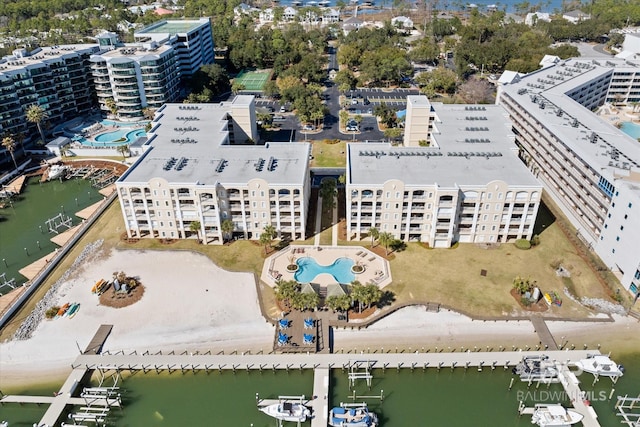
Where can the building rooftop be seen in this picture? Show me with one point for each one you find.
(187, 144)
(21, 58)
(473, 145)
(172, 27)
(135, 51)
(596, 141)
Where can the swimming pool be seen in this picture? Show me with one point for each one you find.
(309, 269)
(631, 129)
(118, 137)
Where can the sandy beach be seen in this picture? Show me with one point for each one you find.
(191, 304)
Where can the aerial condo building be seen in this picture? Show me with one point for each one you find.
(200, 167)
(458, 179)
(589, 167)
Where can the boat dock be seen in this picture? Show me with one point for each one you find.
(541, 328)
(92, 359)
(321, 397)
(629, 409)
(15, 186)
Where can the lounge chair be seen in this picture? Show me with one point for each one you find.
(373, 258)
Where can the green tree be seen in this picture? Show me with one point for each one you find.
(374, 233)
(358, 294)
(110, 103)
(195, 227)
(227, 228)
(372, 294)
(287, 291)
(385, 240)
(36, 114)
(148, 113)
(124, 150)
(267, 236)
(328, 191)
(9, 144)
(338, 302)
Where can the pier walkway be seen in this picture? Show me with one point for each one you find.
(208, 362)
(96, 343)
(321, 363)
(320, 401)
(541, 328)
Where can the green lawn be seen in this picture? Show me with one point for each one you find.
(328, 155)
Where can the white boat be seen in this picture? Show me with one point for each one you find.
(554, 415)
(601, 365)
(287, 411)
(536, 368)
(55, 171)
(359, 416)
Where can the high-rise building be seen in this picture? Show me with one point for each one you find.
(589, 167)
(131, 77)
(192, 41)
(56, 78)
(200, 168)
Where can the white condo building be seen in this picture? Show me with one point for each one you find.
(587, 165)
(134, 76)
(57, 78)
(192, 41)
(194, 169)
(466, 186)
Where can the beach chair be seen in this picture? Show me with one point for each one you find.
(307, 339)
(283, 323)
(308, 323)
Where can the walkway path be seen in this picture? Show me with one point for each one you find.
(335, 227)
(546, 339)
(320, 400)
(318, 229)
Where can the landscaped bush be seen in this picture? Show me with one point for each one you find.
(523, 244)
(51, 312)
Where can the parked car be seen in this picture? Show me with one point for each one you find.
(366, 101)
(278, 118)
(283, 109)
(352, 128)
(354, 101)
(308, 127)
(270, 109)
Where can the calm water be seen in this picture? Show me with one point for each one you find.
(631, 129)
(20, 223)
(109, 138)
(419, 398)
(309, 269)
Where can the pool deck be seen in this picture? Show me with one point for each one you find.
(376, 268)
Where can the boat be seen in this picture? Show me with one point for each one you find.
(600, 365)
(97, 286)
(536, 368)
(554, 415)
(352, 416)
(287, 411)
(73, 310)
(63, 310)
(55, 171)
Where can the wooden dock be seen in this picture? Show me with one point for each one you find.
(65, 236)
(89, 210)
(16, 185)
(541, 328)
(98, 340)
(32, 270)
(320, 402)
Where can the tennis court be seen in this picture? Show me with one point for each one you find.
(252, 80)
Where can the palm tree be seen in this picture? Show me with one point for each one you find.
(10, 145)
(64, 150)
(266, 237)
(110, 103)
(194, 227)
(123, 149)
(36, 114)
(374, 233)
(385, 240)
(227, 228)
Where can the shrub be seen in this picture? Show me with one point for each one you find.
(535, 240)
(523, 244)
(51, 312)
(525, 301)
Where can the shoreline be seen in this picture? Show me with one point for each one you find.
(192, 304)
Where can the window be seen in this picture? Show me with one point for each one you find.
(495, 217)
(489, 196)
(626, 216)
(497, 206)
(164, 192)
(161, 224)
(166, 203)
(254, 204)
(430, 195)
(386, 216)
(388, 194)
(493, 228)
(170, 224)
(499, 196)
(637, 275)
(630, 204)
(157, 203)
(617, 238)
(155, 192)
(482, 228)
(264, 214)
(253, 194)
(487, 206)
(261, 193)
(159, 213)
(395, 216)
(621, 227)
(398, 195)
(386, 205)
(484, 217)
